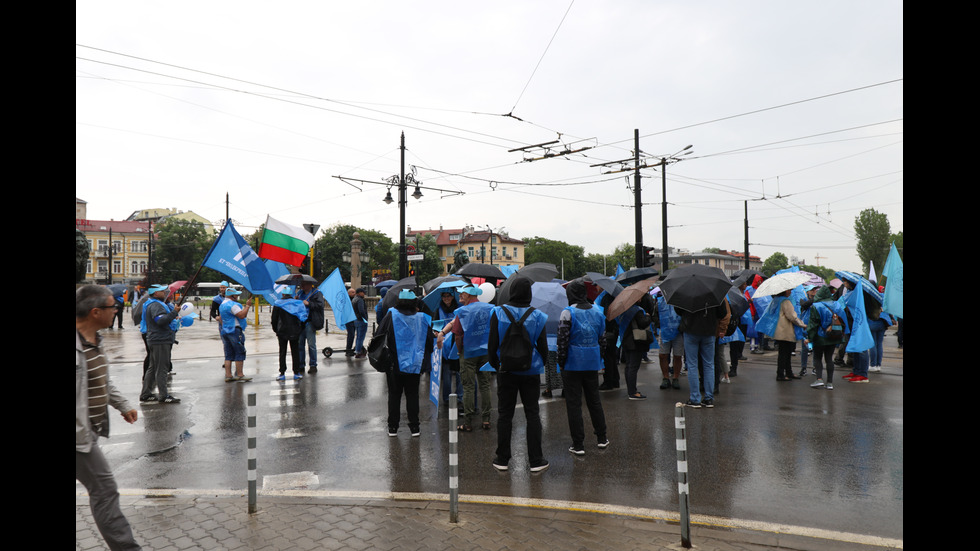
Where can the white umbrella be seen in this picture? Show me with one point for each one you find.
(781, 282)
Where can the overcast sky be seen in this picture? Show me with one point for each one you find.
(795, 107)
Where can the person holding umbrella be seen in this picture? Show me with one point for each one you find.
(785, 335)
(312, 298)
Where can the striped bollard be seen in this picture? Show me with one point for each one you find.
(251, 453)
(453, 462)
(682, 486)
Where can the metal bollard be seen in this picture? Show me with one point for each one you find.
(682, 486)
(453, 462)
(251, 453)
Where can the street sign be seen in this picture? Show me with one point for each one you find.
(414, 257)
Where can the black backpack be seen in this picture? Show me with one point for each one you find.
(516, 348)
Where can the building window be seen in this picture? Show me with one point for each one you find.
(117, 266)
(133, 267)
(470, 252)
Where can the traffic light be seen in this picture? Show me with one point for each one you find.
(411, 269)
(649, 257)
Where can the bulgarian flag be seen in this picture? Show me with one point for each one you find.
(284, 242)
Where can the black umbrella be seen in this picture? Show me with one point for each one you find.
(391, 298)
(117, 289)
(605, 283)
(539, 271)
(428, 286)
(695, 287)
(737, 302)
(630, 277)
(478, 269)
(296, 279)
(744, 276)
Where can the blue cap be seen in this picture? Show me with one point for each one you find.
(224, 284)
(231, 291)
(471, 290)
(157, 287)
(406, 294)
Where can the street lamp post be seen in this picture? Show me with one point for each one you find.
(356, 258)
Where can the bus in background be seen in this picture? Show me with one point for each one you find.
(207, 291)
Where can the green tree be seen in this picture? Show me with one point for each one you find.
(81, 255)
(430, 266)
(179, 247)
(329, 250)
(624, 255)
(777, 261)
(873, 238)
(570, 258)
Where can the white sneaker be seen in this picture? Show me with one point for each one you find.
(875, 369)
(817, 384)
(829, 386)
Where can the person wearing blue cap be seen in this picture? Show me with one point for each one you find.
(233, 325)
(218, 299)
(159, 323)
(408, 335)
(471, 330)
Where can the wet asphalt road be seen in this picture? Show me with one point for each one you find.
(769, 451)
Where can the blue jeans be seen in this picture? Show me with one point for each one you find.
(878, 334)
(861, 362)
(702, 346)
(361, 330)
(307, 340)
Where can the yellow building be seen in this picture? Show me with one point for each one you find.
(118, 250)
(490, 247)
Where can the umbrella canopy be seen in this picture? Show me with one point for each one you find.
(550, 298)
(630, 277)
(815, 280)
(434, 297)
(478, 269)
(629, 296)
(117, 289)
(385, 284)
(605, 283)
(859, 281)
(744, 276)
(176, 286)
(737, 302)
(392, 297)
(539, 271)
(428, 286)
(695, 287)
(296, 279)
(781, 282)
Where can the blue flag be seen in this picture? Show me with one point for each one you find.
(619, 269)
(894, 302)
(860, 339)
(276, 270)
(335, 292)
(232, 256)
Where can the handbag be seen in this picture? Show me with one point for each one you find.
(378, 354)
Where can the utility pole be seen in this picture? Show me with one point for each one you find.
(637, 200)
(746, 235)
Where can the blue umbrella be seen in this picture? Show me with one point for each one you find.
(432, 298)
(866, 285)
(386, 283)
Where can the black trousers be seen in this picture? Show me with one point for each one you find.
(784, 358)
(293, 344)
(398, 384)
(610, 363)
(576, 384)
(509, 387)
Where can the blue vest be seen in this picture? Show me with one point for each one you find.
(475, 321)
(228, 320)
(583, 340)
(669, 320)
(534, 325)
(410, 335)
(174, 325)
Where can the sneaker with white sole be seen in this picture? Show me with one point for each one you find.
(577, 450)
(829, 386)
(540, 466)
(604, 444)
(817, 384)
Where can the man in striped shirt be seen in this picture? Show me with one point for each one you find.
(95, 309)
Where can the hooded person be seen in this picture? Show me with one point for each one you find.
(517, 347)
(581, 347)
(824, 336)
(408, 335)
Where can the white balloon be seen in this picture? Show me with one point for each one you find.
(488, 292)
(186, 308)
